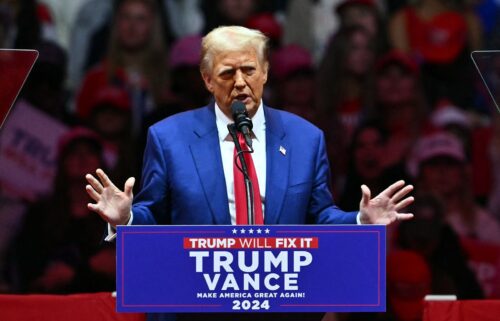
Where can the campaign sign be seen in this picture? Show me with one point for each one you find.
(269, 268)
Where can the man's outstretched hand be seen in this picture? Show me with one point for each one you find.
(112, 204)
(384, 208)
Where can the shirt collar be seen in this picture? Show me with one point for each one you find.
(258, 121)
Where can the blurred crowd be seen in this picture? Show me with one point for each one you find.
(390, 83)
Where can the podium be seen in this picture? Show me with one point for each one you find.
(269, 268)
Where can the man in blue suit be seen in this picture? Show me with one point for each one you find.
(187, 173)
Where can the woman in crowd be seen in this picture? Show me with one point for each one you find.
(441, 168)
(136, 61)
(344, 77)
(400, 106)
(367, 155)
(439, 34)
(345, 89)
(293, 80)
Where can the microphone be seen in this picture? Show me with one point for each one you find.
(242, 121)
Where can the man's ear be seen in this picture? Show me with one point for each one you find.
(266, 71)
(207, 79)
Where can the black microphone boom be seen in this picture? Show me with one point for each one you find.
(242, 121)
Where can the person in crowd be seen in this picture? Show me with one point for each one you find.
(408, 281)
(312, 24)
(366, 157)
(439, 164)
(367, 164)
(90, 17)
(110, 117)
(439, 34)
(345, 82)
(365, 13)
(44, 88)
(186, 85)
(27, 23)
(345, 89)
(192, 145)
(293, 81)
(59, 247)
(400, 105)
(101, 37)
(63, 15)
(456, 121)
(431, 236)
(476, 138)
(136, 61)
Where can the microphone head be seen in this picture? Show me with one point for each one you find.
(238, 108)
(240, 116)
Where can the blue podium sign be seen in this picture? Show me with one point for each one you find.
(269, 268)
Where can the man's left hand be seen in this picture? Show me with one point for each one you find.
(384, 208)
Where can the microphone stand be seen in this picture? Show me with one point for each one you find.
(244, 170)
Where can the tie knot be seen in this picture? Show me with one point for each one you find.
(241, 140)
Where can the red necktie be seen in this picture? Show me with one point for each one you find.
(239, 188)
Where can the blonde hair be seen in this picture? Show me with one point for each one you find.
(152, 57)
(232, 38)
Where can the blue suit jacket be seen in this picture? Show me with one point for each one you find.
(183, 179)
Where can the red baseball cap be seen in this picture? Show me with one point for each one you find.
(435, 145)
(408, 281)
(74, 134)
(398, 58)
(288, 59)
(185, 52)
(267, 24)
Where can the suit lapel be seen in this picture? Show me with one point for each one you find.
(205, 149)
(277, 162)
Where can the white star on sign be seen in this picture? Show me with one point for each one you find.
(250, 231)
(259, 231)
(235, 231)
(242, 231)
(267, 231)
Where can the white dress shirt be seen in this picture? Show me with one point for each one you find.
(227, 154)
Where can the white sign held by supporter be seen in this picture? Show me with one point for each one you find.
(28, 152)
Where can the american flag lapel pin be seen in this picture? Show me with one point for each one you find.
(283, 150)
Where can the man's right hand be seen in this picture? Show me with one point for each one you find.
(112, 204)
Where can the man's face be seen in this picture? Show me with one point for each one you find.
(396, 86)
(443, 176)
(369, 153)
(236, 75)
